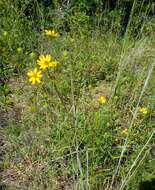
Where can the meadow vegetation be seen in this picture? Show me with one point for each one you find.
(77, 101)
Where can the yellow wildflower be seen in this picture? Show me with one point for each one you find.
(124, 132)
(34, 76)
(51, 33)
(44, 61)
(101, 100)
(143, 110)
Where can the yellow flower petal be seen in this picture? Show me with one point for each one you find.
(44, 61)
(101, 100)
(51, 33)
(34, 76)
(143, 110)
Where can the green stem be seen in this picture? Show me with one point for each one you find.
(57, 91)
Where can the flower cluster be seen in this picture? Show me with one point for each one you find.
(44, 62)
(143, 110)
(51, 33)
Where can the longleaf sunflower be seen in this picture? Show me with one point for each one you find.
(44, 61)
(34, 76)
